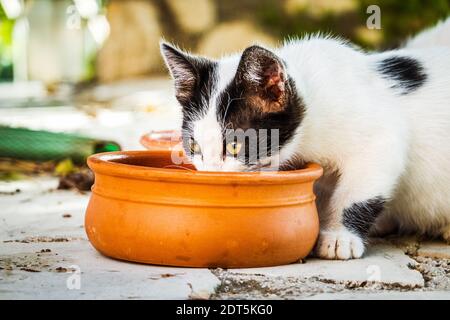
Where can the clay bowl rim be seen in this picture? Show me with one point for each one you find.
(148, 142)
(103, 163)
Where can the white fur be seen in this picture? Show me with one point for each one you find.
(340, 244)
(439, 35)
(208, 129)
(382, 143)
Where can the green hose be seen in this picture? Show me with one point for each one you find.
(25, 144)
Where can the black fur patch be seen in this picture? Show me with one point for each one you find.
(204, 86)
(196, 107)
(194, 79)
(233, 110)
(362, 215)
(237, 113)
(408, 73)
(245, 104)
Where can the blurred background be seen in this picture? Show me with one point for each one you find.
(74, 41)
(92, 67)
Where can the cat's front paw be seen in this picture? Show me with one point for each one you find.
(340, 245)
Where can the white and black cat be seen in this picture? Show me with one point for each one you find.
(379, 124)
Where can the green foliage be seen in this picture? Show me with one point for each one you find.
(399, 19)
(6, 28)
(64, 167)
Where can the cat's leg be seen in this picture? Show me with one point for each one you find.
(384, 225)
(357, 201)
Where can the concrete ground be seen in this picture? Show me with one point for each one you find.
(45, 254)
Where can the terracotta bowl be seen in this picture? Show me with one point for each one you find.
(162, 140)
(143, 209)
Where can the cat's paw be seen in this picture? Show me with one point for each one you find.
(340, 245)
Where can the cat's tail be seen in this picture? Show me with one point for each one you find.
(439, 35)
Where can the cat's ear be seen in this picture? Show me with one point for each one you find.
(183, 68)
(263, 77)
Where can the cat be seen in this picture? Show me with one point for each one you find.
(378, 123)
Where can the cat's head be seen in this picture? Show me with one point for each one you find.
(239, 113)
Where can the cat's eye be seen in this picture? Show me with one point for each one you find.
(234, 148)
(194, 147)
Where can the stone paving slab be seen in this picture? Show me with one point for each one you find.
(33, 221)
(75, 270)
(38, 209)
(433, 249)
(40, 218)
(381, 264)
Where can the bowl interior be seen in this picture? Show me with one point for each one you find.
(152, 159)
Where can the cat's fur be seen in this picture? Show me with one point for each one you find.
(378, 123)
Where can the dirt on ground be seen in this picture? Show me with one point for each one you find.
(41, 261)
(436, 274)
(81, 181)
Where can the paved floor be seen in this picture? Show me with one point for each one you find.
(44, 252)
